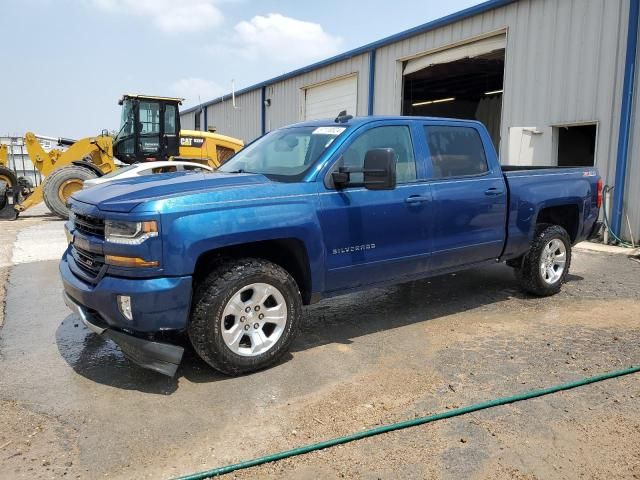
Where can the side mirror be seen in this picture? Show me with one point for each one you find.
(380, 169)
(378, 172)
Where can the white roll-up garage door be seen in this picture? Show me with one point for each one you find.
(330, 98)
(468, 50)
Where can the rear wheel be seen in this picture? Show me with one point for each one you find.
(61, 184)
(245, 315)
(546, 266)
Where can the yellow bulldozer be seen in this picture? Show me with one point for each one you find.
(149, 131)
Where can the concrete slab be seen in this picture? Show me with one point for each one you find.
(38, 243)
(613, 249)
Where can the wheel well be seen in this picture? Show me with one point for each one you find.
(88, 166)
(289, 253)
(564, 215)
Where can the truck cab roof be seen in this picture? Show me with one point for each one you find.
(358, 121)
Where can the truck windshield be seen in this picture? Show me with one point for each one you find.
(284, 155)
(126, 121)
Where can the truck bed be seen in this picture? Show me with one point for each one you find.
(520, 168)
(531, 189)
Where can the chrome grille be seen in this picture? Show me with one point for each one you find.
(89, 225)
(90, 263)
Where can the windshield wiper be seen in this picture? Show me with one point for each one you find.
(122, 128)
(240, 170)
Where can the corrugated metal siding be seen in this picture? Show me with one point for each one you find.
(287, 97)
(632, 188)
(564, 64)
(187, 121)
(241, 122)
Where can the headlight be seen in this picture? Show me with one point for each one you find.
(129, 233)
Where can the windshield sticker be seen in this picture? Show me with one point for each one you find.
(328, 130)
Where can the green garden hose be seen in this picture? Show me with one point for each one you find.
(407, 423)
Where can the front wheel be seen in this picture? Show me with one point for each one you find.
(245, 315)
(545, 267)
(60, 184)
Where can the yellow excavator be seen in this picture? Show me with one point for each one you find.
(149, 131)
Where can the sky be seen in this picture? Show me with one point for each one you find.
(65, 63)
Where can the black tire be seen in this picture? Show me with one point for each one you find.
(52, 185)
(3, 195)
(529, 275)
(211, 298)
(8, 177)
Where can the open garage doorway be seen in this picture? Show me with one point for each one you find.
(576, 145)
(466, 81)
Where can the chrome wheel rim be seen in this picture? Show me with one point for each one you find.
(254, 319)
(553, 261)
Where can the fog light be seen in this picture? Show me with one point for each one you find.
(124, 305)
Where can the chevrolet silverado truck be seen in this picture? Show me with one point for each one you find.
(307, 212)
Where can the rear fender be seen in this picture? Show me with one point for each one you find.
(572, 202)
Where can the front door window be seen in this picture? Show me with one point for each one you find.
(149, 124)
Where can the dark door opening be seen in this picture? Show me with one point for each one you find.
(469, 88)
(577, 145)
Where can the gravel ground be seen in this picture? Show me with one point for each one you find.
(72, 406)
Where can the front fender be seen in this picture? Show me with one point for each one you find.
(188, 235)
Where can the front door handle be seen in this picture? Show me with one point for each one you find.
(493, 192)
(416, 199)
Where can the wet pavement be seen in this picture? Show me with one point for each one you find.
(73, 406)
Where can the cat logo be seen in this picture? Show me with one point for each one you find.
(195, 142)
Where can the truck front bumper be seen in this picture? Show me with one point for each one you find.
(157, 304)
(161, 357)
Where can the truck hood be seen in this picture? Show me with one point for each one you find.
(124, 195)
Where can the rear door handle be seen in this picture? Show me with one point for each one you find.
(493, 192)
(416, 199)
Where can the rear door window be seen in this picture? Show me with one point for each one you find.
(455, 151)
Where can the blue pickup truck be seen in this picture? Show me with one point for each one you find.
(307, 212)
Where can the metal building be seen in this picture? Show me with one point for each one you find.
(553, 80)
